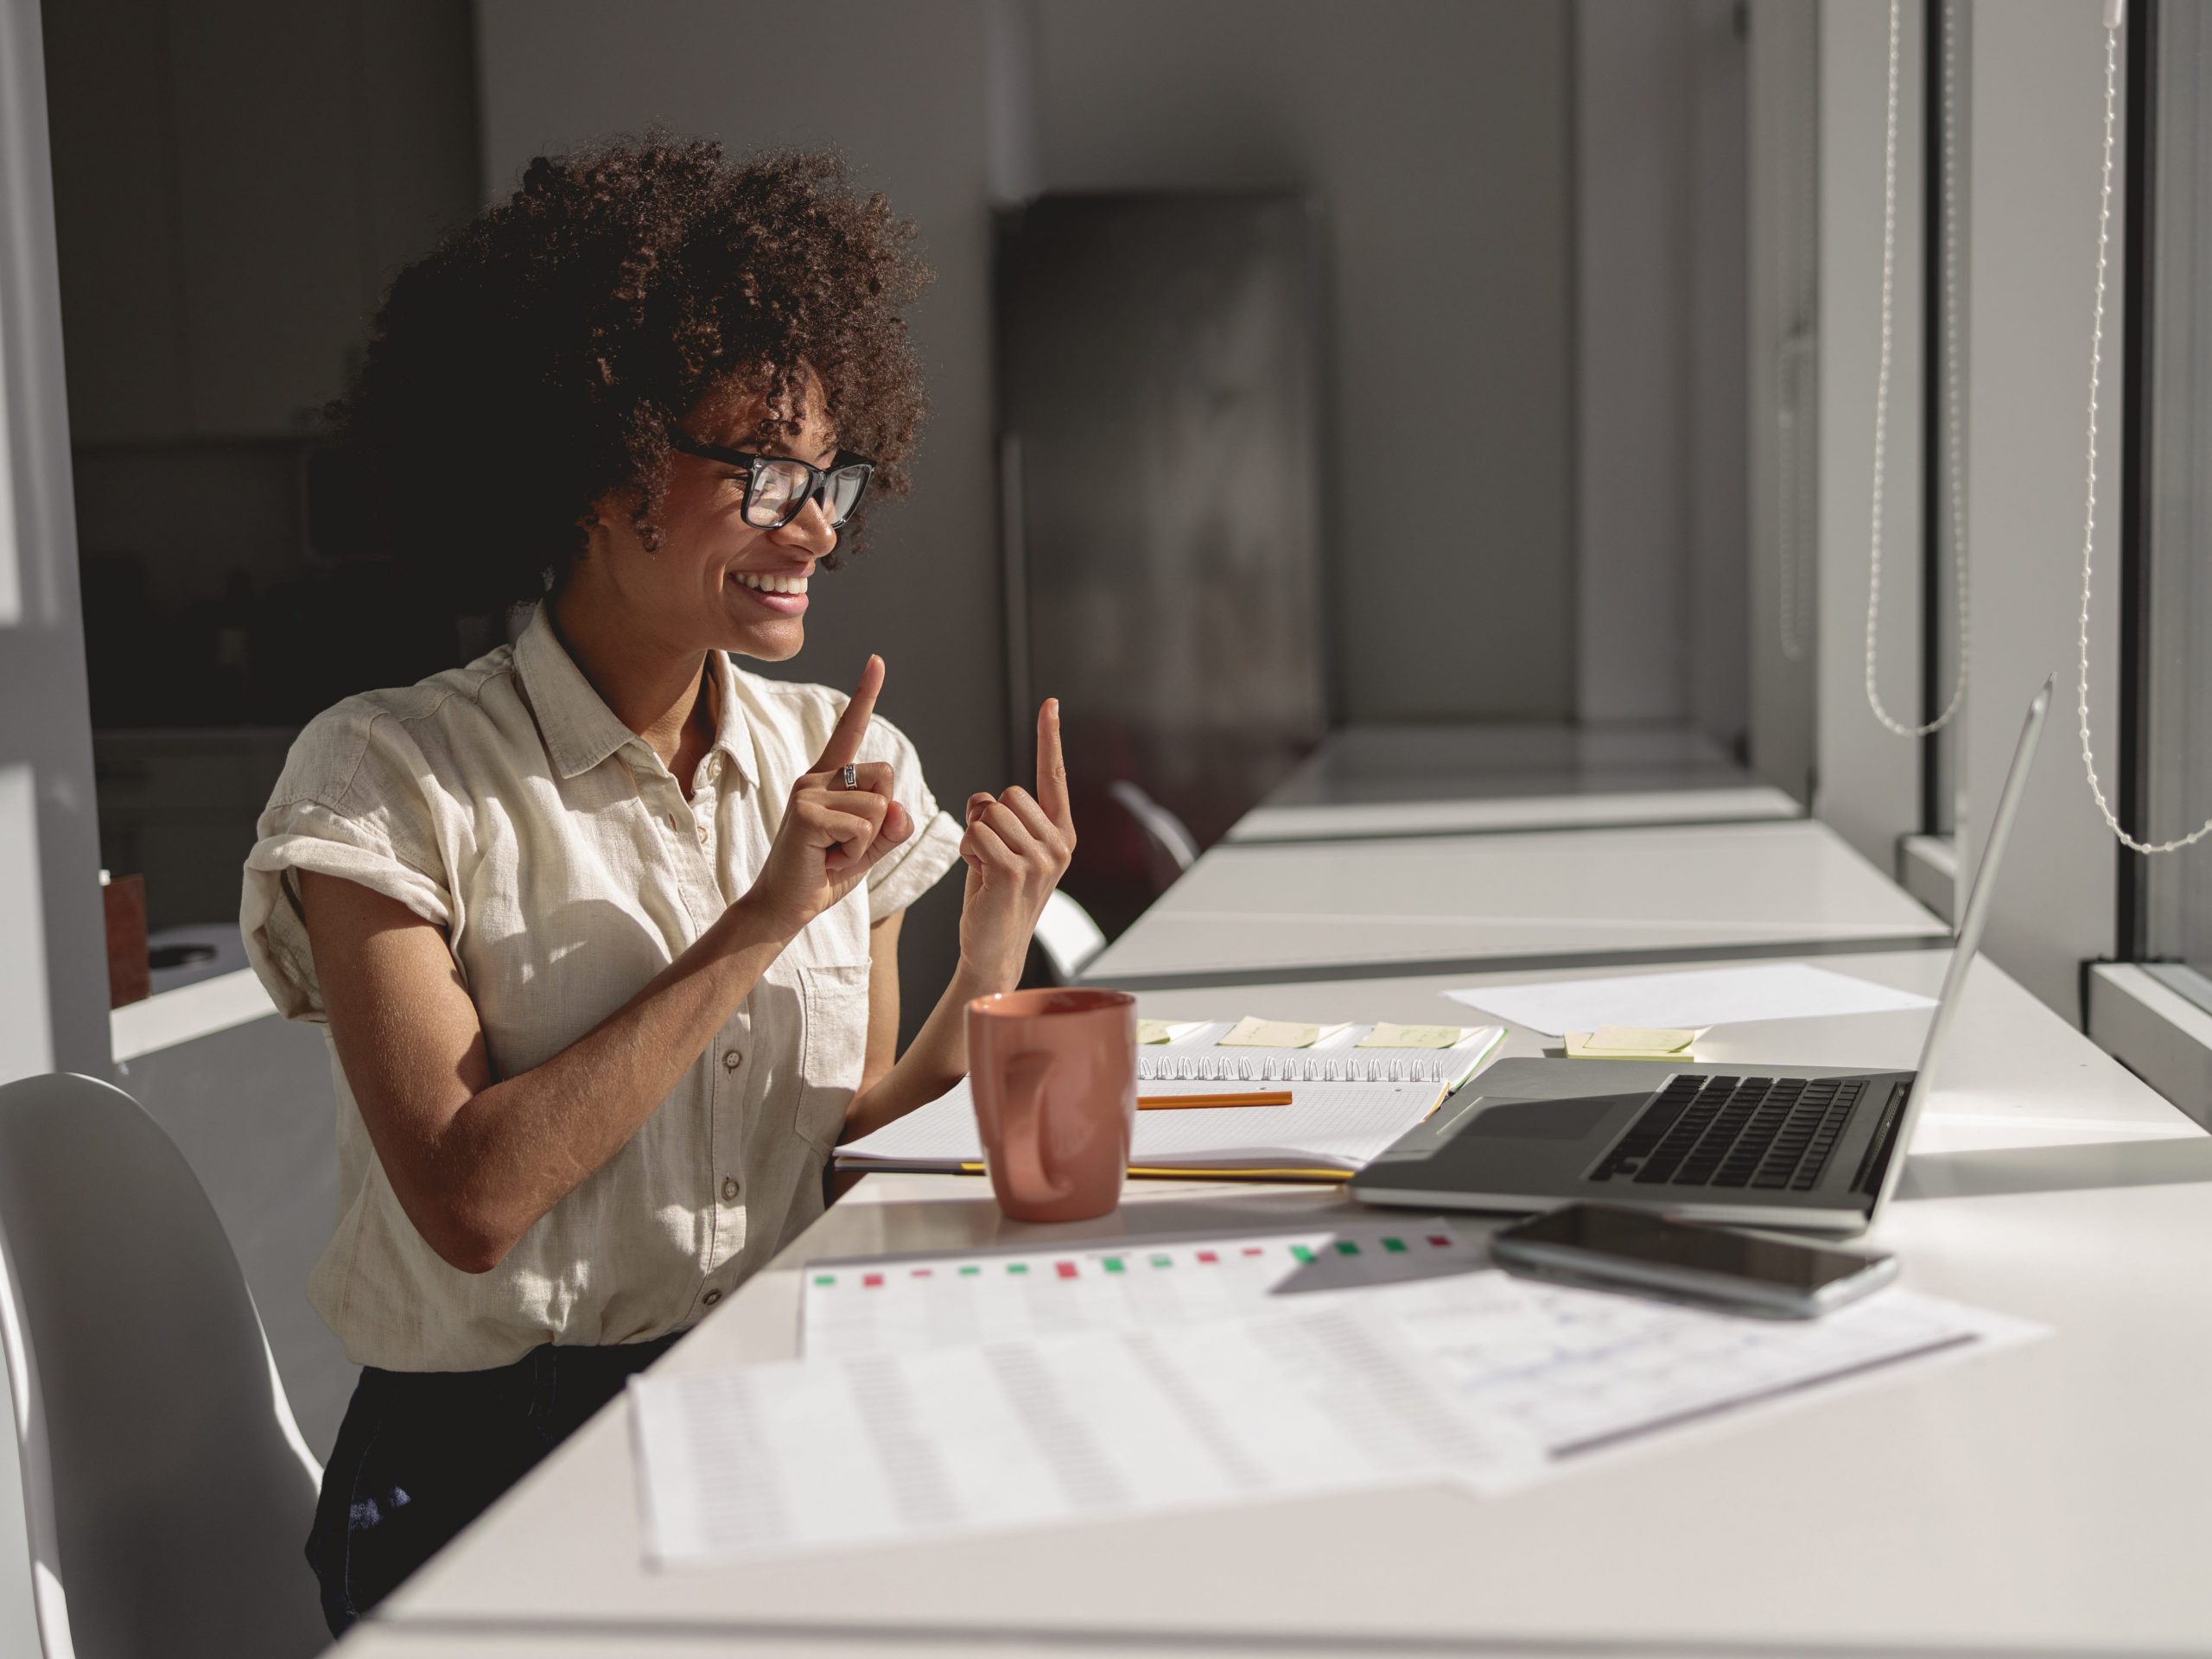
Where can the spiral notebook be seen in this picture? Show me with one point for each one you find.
(1196, 1054)
(1346, 1109)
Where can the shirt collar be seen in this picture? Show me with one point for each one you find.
(579, 730)
(732, 738)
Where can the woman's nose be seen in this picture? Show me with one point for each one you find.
(809, 529)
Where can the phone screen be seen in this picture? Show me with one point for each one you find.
(1635, 1236)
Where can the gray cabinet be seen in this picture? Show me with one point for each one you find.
(1159, 362)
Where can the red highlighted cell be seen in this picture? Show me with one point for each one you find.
(1254, 1249)
(1208, 1255)
(1440, 1241)
(872, 1281)
(1067, 1269)
(922, 1273)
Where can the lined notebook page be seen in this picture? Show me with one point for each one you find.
(1332, 1125)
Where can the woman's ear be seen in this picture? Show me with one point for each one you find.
(605, 517)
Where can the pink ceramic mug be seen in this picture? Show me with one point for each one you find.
(1054, 1075)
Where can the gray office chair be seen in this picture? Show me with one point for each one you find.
(1068, 938)
(1173, 848)
(168, 1492)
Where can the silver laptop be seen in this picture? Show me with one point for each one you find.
(1804, 1147)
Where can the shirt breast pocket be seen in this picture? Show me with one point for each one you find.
(833, 1010)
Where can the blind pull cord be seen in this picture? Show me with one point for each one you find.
(2115, 16)
(1950, 382)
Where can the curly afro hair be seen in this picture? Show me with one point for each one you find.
(531, 367)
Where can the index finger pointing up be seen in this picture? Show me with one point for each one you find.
(844, 744)
(1051, 767)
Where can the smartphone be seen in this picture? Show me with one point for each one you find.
(1608, 1248)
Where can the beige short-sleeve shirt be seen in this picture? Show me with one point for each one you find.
(504, 803)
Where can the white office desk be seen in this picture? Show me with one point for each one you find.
(2056, 1496)
(1373, 781)
(1473, 902)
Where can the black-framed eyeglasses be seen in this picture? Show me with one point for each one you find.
(778, 487)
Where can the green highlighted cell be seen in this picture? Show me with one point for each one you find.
(1113, 1264)
(1347, 1247)
(1163, 1260)
(969, 1272)
(1017, 1267)
(1301, 1253)
(1395, 1246)
(825, 1278)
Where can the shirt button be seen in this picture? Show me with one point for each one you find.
(733, 1059)
(702, 835)
(729, 1189)
(711, 1298)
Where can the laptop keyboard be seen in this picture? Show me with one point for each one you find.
(1775, 1132)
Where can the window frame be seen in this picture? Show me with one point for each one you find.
(2151, 1011)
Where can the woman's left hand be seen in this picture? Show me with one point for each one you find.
(1017, 848)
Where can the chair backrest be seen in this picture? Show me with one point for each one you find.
(168, 1492)
(1170, 839)
(1068, 938)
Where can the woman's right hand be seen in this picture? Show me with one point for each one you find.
(831, 836)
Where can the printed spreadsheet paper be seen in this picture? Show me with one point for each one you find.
(831, 1454)
(921, 1302)
(1103, 1384)
(1575, 1369)
(1582, 1370)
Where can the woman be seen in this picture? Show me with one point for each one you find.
(604, 929)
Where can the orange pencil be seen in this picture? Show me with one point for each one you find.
(1170, 1102)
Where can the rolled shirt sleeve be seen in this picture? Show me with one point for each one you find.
(349, 805)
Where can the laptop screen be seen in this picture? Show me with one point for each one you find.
(1971, 924)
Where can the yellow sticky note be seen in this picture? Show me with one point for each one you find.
(1252, 1033)
(1629, 1043)
(1387, 1035)
(1154, 1031)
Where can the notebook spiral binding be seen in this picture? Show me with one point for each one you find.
(1191, 1068)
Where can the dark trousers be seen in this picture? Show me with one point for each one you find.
(422, 1453)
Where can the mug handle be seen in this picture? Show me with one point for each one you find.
(1022, 1126)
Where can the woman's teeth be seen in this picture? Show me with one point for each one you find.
(771, 584)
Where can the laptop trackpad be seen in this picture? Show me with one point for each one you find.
(1546, 1120)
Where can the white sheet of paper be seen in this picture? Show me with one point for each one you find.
(906, 1304)
(814, 1455)
(1691, 1000)
(1337, 1125)
(1580, 1370)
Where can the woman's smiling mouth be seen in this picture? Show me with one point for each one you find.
(782, 592)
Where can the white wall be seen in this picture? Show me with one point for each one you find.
(1436, 133)
(1869, 777)
(1661, 489)
(1785, 633)
(2038, 102)
(53, 946)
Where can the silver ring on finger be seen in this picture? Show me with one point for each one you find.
(851, 777)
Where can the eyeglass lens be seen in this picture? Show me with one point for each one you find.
(780, 489)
